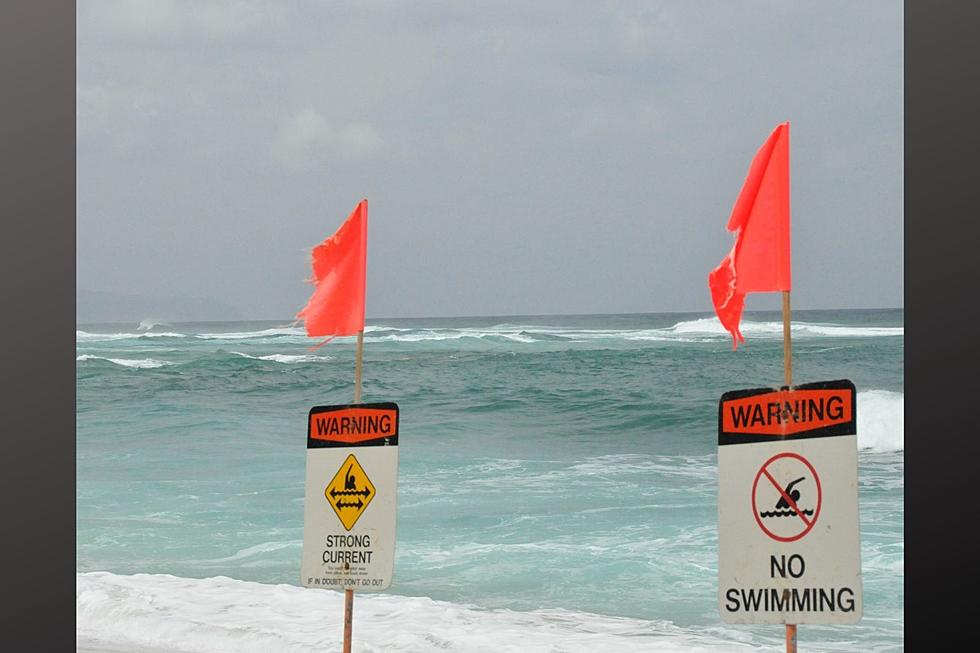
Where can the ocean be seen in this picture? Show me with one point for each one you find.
(557, 481)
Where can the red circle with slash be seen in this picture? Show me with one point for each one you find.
(807, 524)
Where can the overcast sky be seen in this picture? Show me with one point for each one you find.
(518, 157)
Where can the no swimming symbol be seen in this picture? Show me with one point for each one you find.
(786, 497)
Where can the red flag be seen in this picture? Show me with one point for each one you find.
(759, 260)
(336, 307)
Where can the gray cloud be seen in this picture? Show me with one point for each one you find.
(551, 158)
(306, 137)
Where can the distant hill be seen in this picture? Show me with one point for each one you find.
(95, 306)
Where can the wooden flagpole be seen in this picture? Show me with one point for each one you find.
(349, 617)
(349, 593)
(358, 365)
(788, 382)
(787, 343)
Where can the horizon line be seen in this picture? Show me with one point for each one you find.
(512, 315)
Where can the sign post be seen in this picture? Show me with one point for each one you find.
(336, 308)
(788, 382)
(349, 592)
(788, 535)
(350, 503)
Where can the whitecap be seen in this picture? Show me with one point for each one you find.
(712, 326)
(140, 363)
(149, 323)
(881, 420)
(85, 336)
(263, 333)
(286, 358)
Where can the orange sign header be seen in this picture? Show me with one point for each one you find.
(826, 408)
(352, 425)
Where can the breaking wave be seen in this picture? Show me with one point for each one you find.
(157, 612)
(286, 358)
(141, 363)
(150, 323)
(699, 330)
(244, 335)
(881, 420)
(84, 336)
(711, 326)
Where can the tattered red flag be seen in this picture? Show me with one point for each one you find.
(336, 307)
(760, 258)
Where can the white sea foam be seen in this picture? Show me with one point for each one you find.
(149, 323)
(524, 334)
(881, 420)
(373, 328)
(285, 331)
(263, 333)
(84, 336)
(286, 358)
(687, 331)
(711, 326)
(126, 362)
(424, 335)
(159, 613)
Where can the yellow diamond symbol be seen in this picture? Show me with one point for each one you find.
(350, 492)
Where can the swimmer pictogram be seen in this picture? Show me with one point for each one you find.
(350, 492)
(783, 508)
(776, 501)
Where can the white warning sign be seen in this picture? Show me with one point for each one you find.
(351, 491)
(788, 533)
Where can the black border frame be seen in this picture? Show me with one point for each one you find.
(37, 68)
(37, 255)
(942, 143)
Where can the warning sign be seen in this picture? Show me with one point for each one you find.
(788, 536)
(351, 491)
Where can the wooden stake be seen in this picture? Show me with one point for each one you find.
(788, 382)
(349, 618)
(349, 593)
(790, 638)
(787, 343)
(358, 364)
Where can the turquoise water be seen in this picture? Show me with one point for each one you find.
(563, 463)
